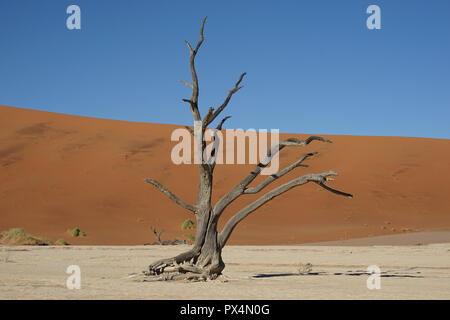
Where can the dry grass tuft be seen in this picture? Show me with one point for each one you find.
(304, 268)
(18, 236)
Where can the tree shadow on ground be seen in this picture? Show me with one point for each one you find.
(348, 273)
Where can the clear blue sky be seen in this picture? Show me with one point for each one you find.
(313, 66)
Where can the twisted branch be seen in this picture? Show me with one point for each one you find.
(191, 131)
(170, 195)
(227, 99)
(317, 178)
(279, 174)
(239, 189)
(194, 85)
(219, 126)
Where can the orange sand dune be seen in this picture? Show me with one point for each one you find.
(59, 172)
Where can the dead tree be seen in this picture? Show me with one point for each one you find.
(157, 235)
(204, 260)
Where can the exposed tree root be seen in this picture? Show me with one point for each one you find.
(182, 263)
(178, 272)
(183, 267)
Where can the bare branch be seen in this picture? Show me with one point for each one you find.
(219, 126)
(279, 174)
(201, 35)
(348, 195)
(239, 189)
(195, 89)
(191, 131)
(188, 84)
(227, 99)
(216, 142)
(286, 143)
(170, 194)
(207, 116)
(318, 178)
(189, 46)
(214, 150)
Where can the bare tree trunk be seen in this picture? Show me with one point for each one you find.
(204, 260)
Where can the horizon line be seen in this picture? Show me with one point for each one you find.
(183, 125)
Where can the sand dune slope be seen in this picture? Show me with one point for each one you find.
(59, 172)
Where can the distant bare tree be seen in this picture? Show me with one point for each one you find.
(157, 234)
(204, 260)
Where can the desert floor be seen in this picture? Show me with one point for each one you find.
(252, 272)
